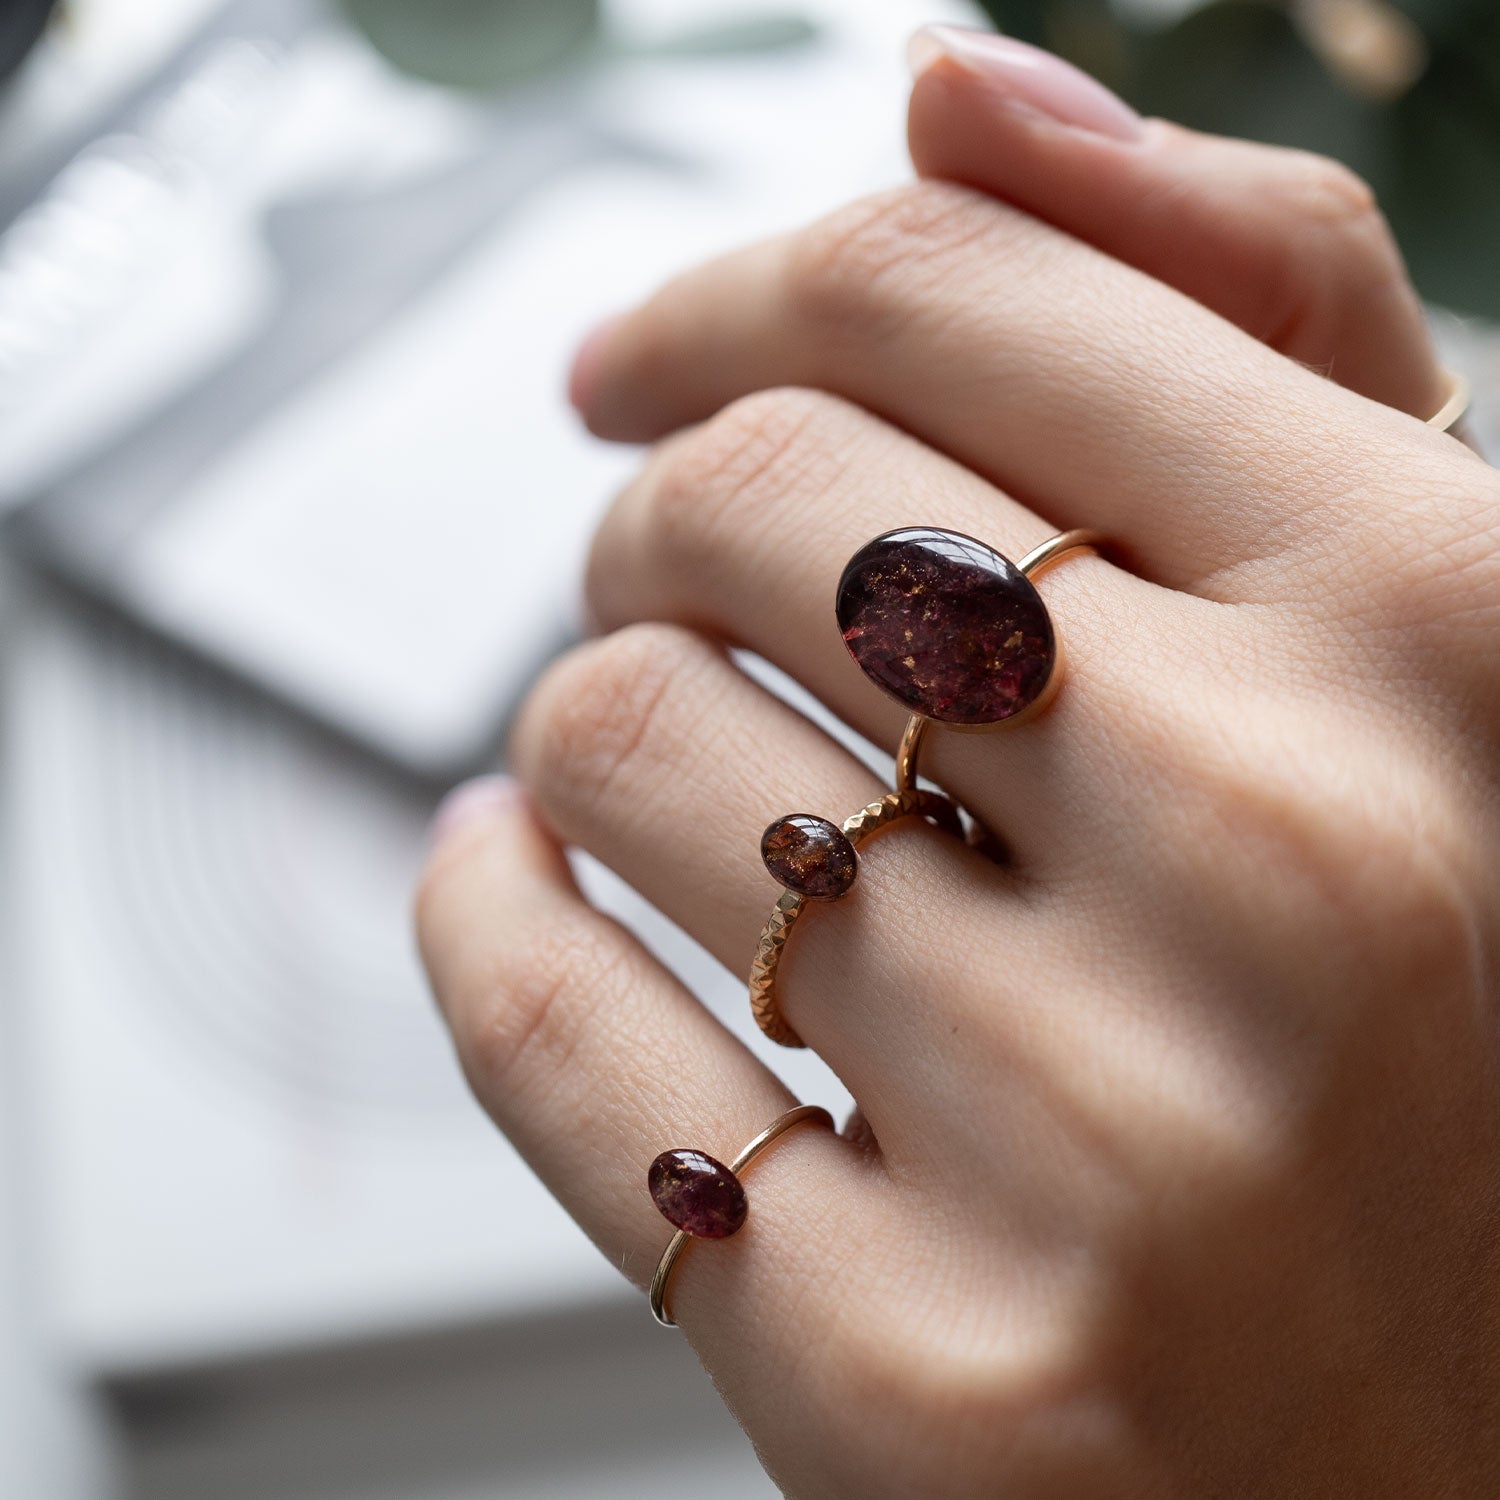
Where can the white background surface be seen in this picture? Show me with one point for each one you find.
(387, 548)
(255, 1239)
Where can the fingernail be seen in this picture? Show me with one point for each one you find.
(469, 802)
(1029, 76)
(583, 378)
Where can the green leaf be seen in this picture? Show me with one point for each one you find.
(476, 44)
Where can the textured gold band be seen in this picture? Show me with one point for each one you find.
(1038, 560)
(858, 827)
(678, 1242)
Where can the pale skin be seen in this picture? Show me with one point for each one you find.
(1174, 1172)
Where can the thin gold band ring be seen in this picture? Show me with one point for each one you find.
(804, 1113)
(1452, 412)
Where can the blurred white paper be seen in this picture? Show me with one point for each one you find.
(393, 543)
(248, 1130)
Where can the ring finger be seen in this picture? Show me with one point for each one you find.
(652, 752)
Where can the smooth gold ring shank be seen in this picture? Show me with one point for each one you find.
(1452, 412)
(1065, 544)
(858, 827)
(804, 1113)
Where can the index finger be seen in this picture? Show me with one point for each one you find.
(1096, 394)
(1287, 245)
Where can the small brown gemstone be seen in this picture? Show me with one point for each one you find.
(946, 625)
(810, 855)
(697, 1194)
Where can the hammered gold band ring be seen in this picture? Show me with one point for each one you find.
(821, 858)
(704, 1199)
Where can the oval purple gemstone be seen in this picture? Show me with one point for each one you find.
(946, 625)
(697, 1193)
(810, 855)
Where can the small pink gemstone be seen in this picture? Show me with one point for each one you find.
(697, 1194)
(810, 855)
(946, 625)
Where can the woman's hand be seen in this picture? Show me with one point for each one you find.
(1175, 1172)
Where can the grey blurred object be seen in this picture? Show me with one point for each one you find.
(270, 23)
(255, 1207)
(251, 1169)
(21, 25)
(346, 264)
(361, 601)
(588, 1405)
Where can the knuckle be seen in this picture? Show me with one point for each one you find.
(1337, 254)
(1326, 192)
(1415, 867)
(431, 896)
(593, 712)
(743, 457)
(971, 1376)
(1362, 860)
(525, 1017)
(850, 270)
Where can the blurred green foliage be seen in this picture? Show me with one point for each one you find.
(474, 44)
(488, 46)
(1407, 92)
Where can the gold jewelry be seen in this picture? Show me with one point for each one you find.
(947, 626)
(953, 630)
(809, 866)
(705, 1199)
(1452, 412)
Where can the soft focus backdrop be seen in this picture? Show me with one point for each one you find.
(291, 508)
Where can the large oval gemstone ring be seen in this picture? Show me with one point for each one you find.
(951, 629)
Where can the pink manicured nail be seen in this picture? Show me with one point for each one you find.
(1029, 76)
(584, 376)
(470, 801)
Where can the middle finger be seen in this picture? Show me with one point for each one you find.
(742, 526)
(1104, 397)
